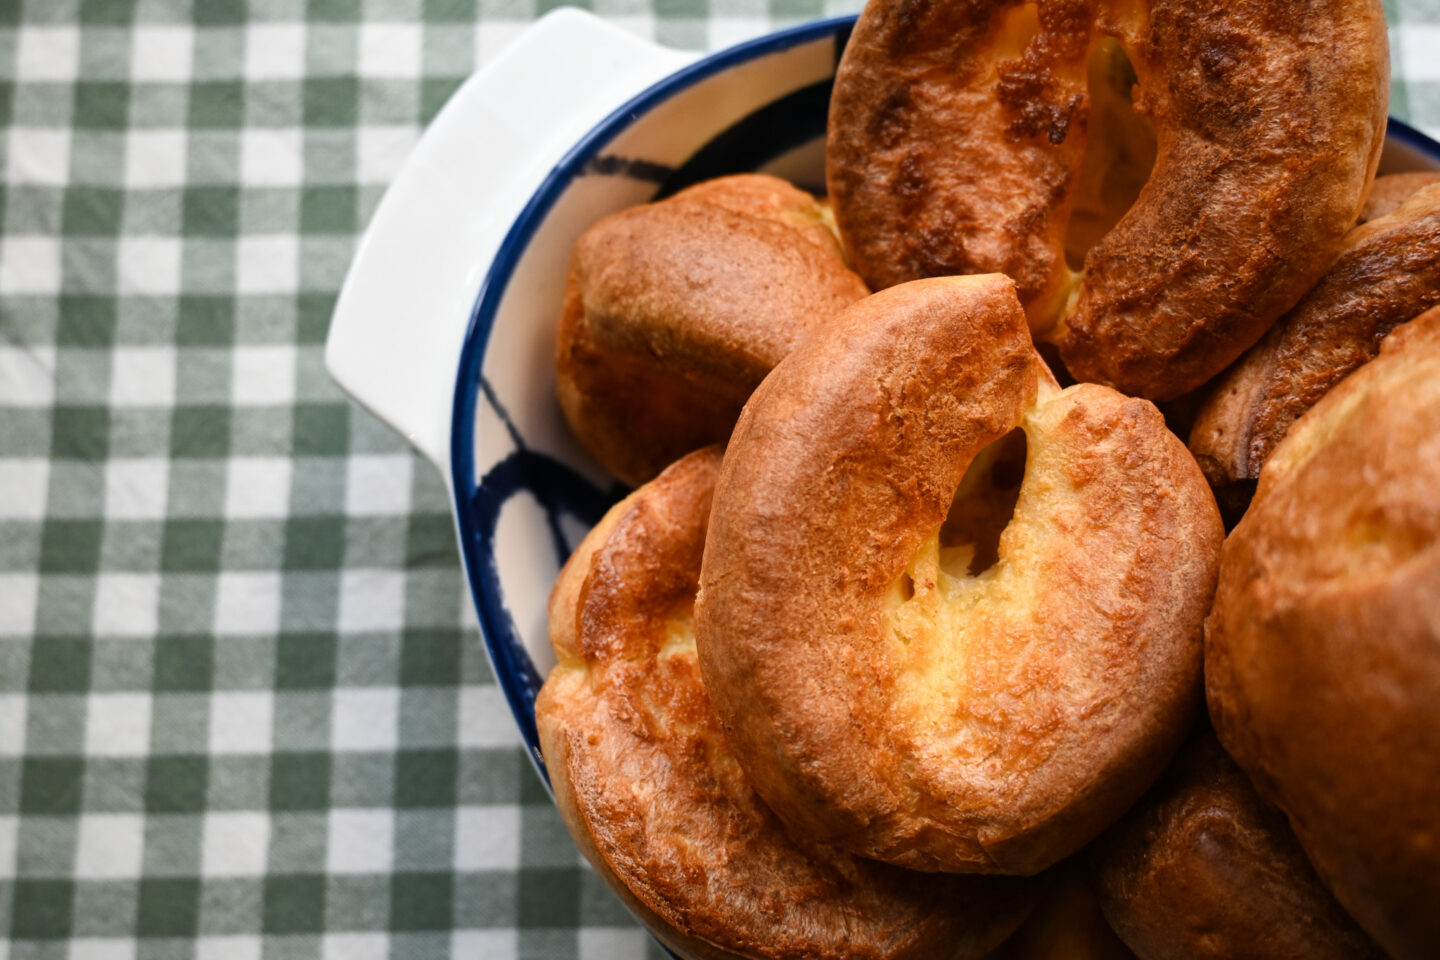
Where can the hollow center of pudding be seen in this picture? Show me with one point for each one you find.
(1119, 151)
(983, 506)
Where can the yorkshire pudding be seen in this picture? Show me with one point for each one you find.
(1322, 653)
(958, 138)
(1202, 870)
(1393, 189)
(675, 310)
(882, 696)
(1388, 272)
(1067, 924)
(654, 797)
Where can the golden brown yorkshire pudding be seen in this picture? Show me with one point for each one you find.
(1322, 653)
(674, 311)
(1388, 272)
(655, 799)
(880, 694)
(1202, 870)
(1393, 189)
(958, 142)
(1067, 924)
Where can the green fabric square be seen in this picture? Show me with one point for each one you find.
(239, 783)
(422, 901)
(104, 908)
(179, 724)
(358, 903)
(55, 725)
(305, 661)
(15, 656)
(130, 546)
(425, 778)
(599, 907)
(252, 544)
(328, 209)
(114, 785)
(70, 546)
(6, 110)
(92, 210)
(218, 13)
(297, 842)
(200, 432)
(299, 781)
(424, 839)
(80, 433)
(183, 663)
(230, 905)
(101, 106)
(294, 904)
(485, 900)
(260, 431)
(50, 785)
(19, 553)
(362, 780)
(60, 664)
(42, 909)
(338, 11)
(313, 311)
(156, 105)
(449, 11)
(202, 376)
(45, 847)
(172, 845)
(217, 103)
(331, 101)
(429, 657)
(548, 897)
(492, 776)
(321, 429)
(176, 784)
(212, 211)
(169, 907)
(191, 545)
(205, 321)
(86, 321)
(430, 541)
(107, 12)
(314, 543)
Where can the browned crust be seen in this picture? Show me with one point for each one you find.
(1387, 193)
(1387, 273)
(1202, 870)
(674, 311)
(1269, 116)
(653, 796)
(1071, 699)
(1322, 653)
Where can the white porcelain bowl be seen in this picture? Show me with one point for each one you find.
(445, 325)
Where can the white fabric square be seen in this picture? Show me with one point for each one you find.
(110, 846)
(135, 489)
(242, 722)
(12, 730)
(24, 480)
(488, 943)
(155, 158)
(267, 264)
(27, 376)
(361, 841)
(48, 53)
(101, 948)
(117, 724)
(161, 53)
(275, 51)
(38, 155)
(126, 604)
(365, 718)
(485, 720)
(235, 844)
(247, 603)
(372, 946)
(228, 948)
(142, 377)
(18, 593)
(29, 265)
(379, 484)
(1418, 44)
(380, 152)
(257, 486)
(390, 50)
(9, 831)
(263, 374)
(487, 838)
(271, 157)
(611, 943)
(372, 600)
(149, 265)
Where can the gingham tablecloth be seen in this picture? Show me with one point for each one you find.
(244, 711)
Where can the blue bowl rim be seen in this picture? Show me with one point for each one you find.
(492, 289)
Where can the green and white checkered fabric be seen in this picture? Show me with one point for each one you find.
(244, 712)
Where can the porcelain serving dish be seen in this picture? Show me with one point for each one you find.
(444, 328)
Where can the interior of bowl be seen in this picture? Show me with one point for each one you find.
(525, 492)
